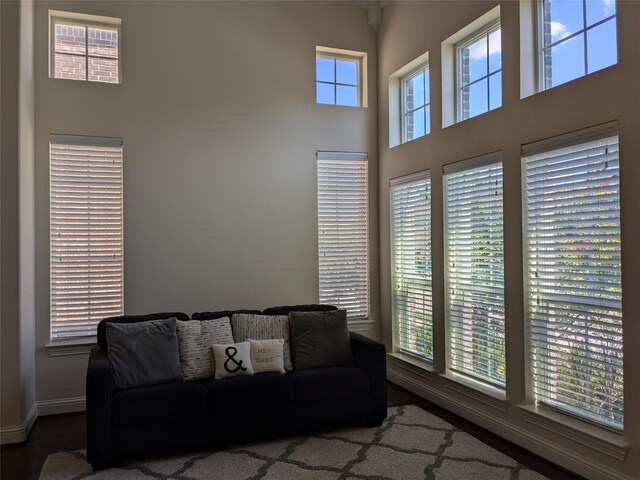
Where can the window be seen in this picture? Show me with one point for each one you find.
(339, 77)
(479, 72)
(84, 47)
(474, 269)
(416, 104)
(411, 264)
(576, 38)
(573, 274)
(343, 231)
(86, 247)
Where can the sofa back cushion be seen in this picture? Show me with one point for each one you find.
(194, 341)
(143, 353)
(220, 314)
(263, 327)
(102, 339)
(320, 339)
(286, 309)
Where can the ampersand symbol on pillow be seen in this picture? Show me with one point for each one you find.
(231, 353)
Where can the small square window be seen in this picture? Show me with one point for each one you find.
(576, 38)
(479, 72)
(85, 47)
(339, 78)
(416, 104)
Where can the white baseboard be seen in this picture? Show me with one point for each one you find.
(19, 433)
(554, 452)
(61, 405)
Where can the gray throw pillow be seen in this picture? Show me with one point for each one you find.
(320, 339)
(143, 353)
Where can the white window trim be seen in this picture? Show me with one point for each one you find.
(424, 68)
(484, 31)
(361, 60)
(82, 20)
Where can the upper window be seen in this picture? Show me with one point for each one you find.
(479, 72)
(339, 77)
(411, 280)
(84, 47)
(343, 231)
(416, 104)
(474, 269)
(86, 245)
(573, 273)
(577, 38)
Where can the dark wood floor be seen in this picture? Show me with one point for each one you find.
(68, 432)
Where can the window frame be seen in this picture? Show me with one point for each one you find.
(406, 181)
(336, 54)
(424, 68)
(485, 30)
(541, 48)
(87, 21)
(357, 160)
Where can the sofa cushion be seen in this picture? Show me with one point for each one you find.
(143, 353)
(286, 309)
(170, 402)
(267, 355)
(238, 394)
(263, 327)
(195, 339)
(220, 314)
(232, 360)
(320, 339)
(102, 338)
(331, 383)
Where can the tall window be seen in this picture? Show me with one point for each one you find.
(576, 38)
(573, 276)
(411, 264)
(343, 231)
(474, 268)
(416, 104)
(84, 47)
(86, 246)
(479, 72)
(339, 77)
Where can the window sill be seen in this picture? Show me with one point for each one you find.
(600, 439)
(486, 394)
(412, 364)
(64, 348)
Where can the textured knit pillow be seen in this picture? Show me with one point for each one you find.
(195, 339)
(263, 327)
(321, 339)
(143, 353)
(267, 355)
(232, 360)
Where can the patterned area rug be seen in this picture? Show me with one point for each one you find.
(411, 444)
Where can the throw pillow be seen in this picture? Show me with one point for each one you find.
(320, 339)
(233, 360)
(263, 327)
(195, 339)
(143, 353)
(267, 355)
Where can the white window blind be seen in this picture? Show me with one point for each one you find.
(411, 264)
(573, 274)
(474, 268)
(86, 247)
(343, 231)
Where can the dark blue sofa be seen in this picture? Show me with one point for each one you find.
(181, 416)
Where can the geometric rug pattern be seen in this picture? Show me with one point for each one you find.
(410, 445)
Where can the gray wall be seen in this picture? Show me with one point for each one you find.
(220, 126)
(411, 28)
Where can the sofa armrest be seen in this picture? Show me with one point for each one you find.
(372, 357)
(99, 395)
